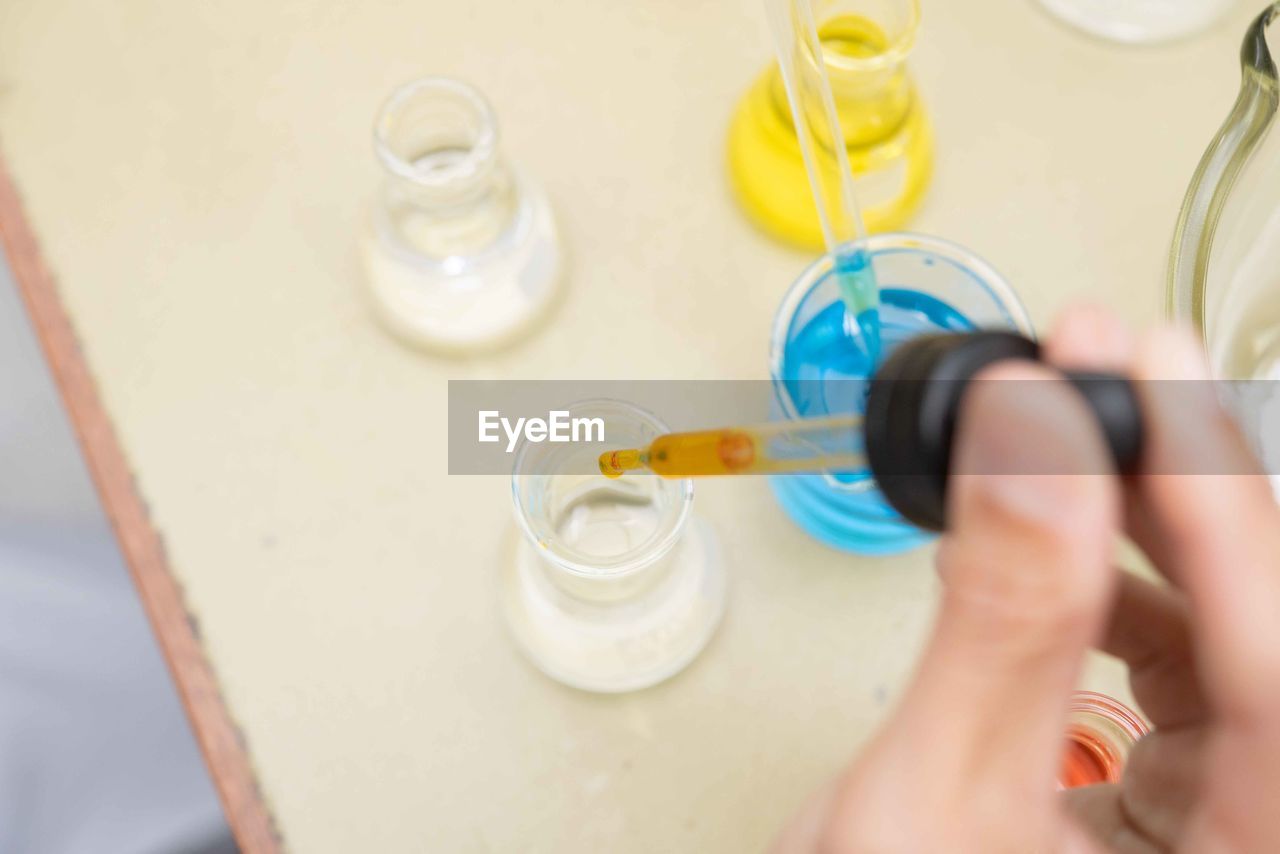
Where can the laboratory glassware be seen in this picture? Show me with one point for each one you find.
(797, 44)
(885, 129)
(1101, 732)
(1139, 21)
(1224, 269)
(905, 437)
(461, 251)
(927, 285)
(614, 585)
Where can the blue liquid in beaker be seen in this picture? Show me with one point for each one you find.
(826, 373)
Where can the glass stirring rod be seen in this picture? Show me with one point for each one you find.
(826, 161)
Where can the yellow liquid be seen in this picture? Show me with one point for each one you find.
(886, 134)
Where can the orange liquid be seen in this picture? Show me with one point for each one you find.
(1088, 759)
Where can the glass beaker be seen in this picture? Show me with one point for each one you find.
(1101, 731)
(1224, 270)
(614, 585)
(1139, 21)
(461, 251)
(865, 44)
(927, 284)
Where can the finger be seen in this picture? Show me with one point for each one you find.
(1146, 533)
(1076, 840)
(1089, 337)
(1099, 811)
(1027, 581)
(1149, 809)
(1149, 629)
(804, 833)
(1162, 782)
(1222, 527)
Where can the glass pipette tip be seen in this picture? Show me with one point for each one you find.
(861, 295)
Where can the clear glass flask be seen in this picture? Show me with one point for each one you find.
(613, 585)
(461, 252)
(865, 45)
(927, 284)
(1224, 270)
(1139, 21)
(1101, 731)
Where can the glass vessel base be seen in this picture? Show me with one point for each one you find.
(612, 634)
(768, 177)
(927, 285)
(854, 522)
(466, 303)
(1138, 21)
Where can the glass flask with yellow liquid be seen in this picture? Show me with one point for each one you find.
(1224, 273)
(865, 44)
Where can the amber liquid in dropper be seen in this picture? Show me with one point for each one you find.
(686, 455)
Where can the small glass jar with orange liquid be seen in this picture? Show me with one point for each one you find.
(1100, 733)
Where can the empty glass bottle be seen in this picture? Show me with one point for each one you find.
(1224, 272)
(613, 584)
(461, 251)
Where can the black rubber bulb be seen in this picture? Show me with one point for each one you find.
(915, 397)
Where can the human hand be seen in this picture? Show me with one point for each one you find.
(968, 761)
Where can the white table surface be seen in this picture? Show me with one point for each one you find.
(197, 174)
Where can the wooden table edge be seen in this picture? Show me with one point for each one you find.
(220, 739)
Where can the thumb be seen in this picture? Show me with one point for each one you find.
(1027, 580)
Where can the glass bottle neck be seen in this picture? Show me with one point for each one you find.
(865, 64)
(1216, 179)
(447, 192)
(450, 218)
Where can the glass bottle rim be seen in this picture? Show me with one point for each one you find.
(986, 274)
(895, 51)
(1110, 709)
(480, 152)
(654, 547)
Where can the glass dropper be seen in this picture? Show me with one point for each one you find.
(804, 76)
(802, 445)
